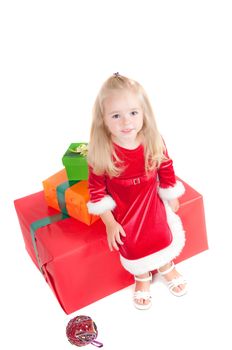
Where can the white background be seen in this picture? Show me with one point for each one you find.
(54, 57)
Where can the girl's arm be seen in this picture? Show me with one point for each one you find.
(169, 188)
(101, 203)
(113, 230)
(100, 200)
(107, 218)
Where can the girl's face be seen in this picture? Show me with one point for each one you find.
(123, 116)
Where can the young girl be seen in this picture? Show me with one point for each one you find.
(133, 186)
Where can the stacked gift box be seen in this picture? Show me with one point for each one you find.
(69, 245)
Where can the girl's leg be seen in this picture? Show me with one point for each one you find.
(143, 286)
(171, 275)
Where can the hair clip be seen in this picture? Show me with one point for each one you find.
(116, 74)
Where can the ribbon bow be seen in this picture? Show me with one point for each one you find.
(81, 149)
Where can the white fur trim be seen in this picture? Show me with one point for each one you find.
(164, 256)
(171, 192)
(97, 208)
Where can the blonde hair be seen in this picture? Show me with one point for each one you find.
(101, 153)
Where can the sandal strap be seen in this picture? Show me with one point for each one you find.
(175, 282)
(145, 279)
(162, 273)
(141, 294)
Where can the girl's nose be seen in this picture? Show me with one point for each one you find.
(125, 119)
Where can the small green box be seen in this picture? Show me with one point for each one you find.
(75, 163)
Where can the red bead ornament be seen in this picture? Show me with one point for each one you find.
(81, 330)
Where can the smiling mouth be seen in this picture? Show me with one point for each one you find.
(127, 130)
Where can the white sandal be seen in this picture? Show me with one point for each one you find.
(175, 282)
(140, 294)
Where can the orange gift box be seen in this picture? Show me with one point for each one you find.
(69, 197)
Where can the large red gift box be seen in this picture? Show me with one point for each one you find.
(74, 257)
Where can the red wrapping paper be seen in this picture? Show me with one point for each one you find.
(75, 257)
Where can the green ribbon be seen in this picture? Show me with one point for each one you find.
(60, 191)
(41, 223)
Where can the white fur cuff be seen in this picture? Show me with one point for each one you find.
(171, 192)
(97, 208)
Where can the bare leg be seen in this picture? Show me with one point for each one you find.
(142, 286)
(172, 275)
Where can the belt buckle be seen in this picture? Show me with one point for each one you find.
(136, 181)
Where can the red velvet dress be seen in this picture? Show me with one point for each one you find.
(140, 209)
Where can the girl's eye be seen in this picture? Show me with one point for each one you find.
(134, 112)
(115, 116)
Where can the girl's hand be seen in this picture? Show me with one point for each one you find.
(174, 204)
(114, 229)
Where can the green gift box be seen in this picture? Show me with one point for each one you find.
(75, 161)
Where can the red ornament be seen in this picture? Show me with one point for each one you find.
(81, 330)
